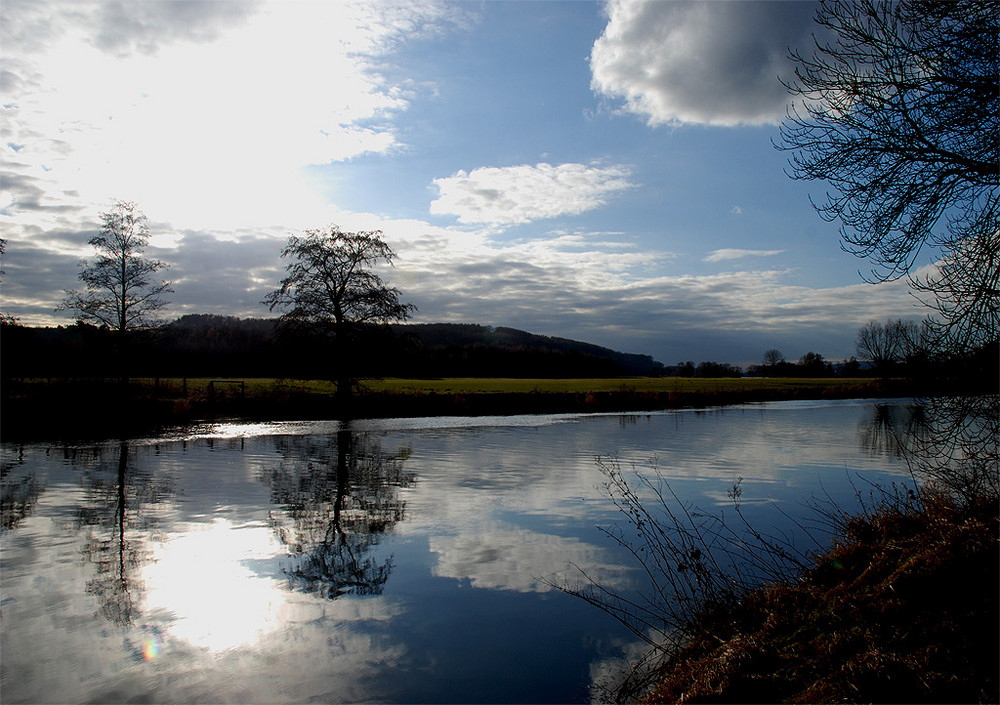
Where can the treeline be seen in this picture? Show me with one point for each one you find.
(809, 365)
(204, 345)
(977, 369)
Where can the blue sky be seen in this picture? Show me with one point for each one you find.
(599, 171)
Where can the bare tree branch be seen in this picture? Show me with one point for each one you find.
(900, 113)
(331, 287)
(121, 291)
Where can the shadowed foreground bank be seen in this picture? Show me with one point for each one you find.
(903, 608)
(34, 409)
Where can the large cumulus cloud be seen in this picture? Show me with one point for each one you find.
(714, 63)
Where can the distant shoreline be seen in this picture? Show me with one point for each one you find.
(90, 409)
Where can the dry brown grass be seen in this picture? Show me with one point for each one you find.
(903, 608)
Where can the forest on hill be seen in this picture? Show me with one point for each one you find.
(205, 345)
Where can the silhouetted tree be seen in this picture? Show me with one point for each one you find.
(710, 368)
(685, 369)
(332, 288)
(5, 318)
(812, 364)
(121, 290)
(899, 112)
(772, 357)
(886, 344)
(851, 367)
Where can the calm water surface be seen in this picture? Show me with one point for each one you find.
(393, 560)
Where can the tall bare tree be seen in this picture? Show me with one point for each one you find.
(5, 318)
(772, 357)
(331, 287)
(121, 288)
(885, 345)
(899, 111)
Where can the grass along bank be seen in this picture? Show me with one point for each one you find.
(700, 385)
(902, 609)
(896, 602)
(84, 407)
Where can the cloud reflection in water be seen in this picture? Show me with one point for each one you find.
(200, 578)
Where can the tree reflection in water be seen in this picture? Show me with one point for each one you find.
(947, 442)
(703, 569)
(338, 496)
(117, 494)
(18, 491)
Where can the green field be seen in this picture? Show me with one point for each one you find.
(55, 407)
(583, 386)
(253, 387)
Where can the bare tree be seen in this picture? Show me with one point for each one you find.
(885, 345)
(964, 294)
(122, 291)
(331, 287)
(899, 112)
(5, 318)
(772, 357)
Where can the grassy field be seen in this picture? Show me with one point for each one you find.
(85, 407)
(202, 387)
(583, 386)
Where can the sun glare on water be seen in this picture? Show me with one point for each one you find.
(215, 601)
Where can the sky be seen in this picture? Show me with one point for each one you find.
(602, 171)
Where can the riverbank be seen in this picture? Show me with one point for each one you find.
(67, 409)
(903, 608)
(86, 408)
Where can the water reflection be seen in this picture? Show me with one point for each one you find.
(114, 520)
(505, 557)
(391, 560)
(950, 443)
(201, 584)
(18, 491)
(337, 496)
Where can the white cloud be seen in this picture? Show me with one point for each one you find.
(735, 253)
(209, 117)
(612, 298)
(511, 558)
(120, 28)
(573, 285)
(714, 63)
(525, 193)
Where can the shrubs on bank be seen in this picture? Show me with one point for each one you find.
(903, 608)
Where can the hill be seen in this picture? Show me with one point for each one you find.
(455, 349)
(213, 345)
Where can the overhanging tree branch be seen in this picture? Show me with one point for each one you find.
(900, 113)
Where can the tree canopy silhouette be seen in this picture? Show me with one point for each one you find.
(885, 345)
(772, 357)
(121, 290)
(899, 112)
(331, 287)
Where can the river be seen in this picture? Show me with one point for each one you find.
(397, 560)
